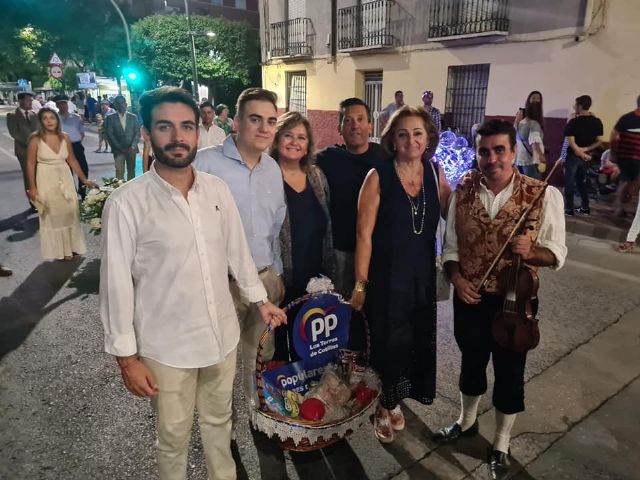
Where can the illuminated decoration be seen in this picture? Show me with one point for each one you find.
(454, 155)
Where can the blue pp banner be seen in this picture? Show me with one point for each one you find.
(321, 328)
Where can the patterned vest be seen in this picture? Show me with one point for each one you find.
(480, 238)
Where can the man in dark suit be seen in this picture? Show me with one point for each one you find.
(21, 124)
(123, 133)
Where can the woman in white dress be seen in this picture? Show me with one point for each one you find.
(52, 189)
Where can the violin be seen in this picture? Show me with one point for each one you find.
(515, 327)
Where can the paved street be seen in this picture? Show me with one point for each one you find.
(64, 413)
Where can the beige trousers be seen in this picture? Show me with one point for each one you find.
(210, 389)
(251, 328)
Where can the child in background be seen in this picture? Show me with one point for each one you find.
(608, 168)
(101, 135)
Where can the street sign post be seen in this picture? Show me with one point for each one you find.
(55, 66)
(55, 60)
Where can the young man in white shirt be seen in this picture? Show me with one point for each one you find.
(170, 238)
(210, 133)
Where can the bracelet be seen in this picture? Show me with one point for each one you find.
(361, 285)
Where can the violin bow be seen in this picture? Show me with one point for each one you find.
(519, 224)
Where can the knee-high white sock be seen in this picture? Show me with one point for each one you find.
(469, 411)
(504, 424)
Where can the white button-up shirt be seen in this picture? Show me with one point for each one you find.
(552, 227)
(164, 288)
(208, 138)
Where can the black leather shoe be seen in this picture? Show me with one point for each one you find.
(452, 432)
(499, 465)
(5, 272)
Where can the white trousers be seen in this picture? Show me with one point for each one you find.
(210, 389)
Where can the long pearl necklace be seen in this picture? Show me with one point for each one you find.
(415, 207)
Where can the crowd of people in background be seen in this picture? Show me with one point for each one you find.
(245, 212)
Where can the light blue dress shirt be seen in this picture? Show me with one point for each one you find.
(258, 193)
(72, 126)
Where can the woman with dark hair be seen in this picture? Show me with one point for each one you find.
(533, 97)
(306, 241)
(51, 188)
(222, 119)
(530, 138)
(399, 209)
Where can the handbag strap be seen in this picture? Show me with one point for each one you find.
(524, 144)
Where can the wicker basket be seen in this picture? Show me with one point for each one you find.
(297, 434)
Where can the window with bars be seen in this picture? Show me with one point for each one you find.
(466, 97)
(373, 98)
(297, 92)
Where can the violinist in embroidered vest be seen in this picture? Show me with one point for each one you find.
(484, 210)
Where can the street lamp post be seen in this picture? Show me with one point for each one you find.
(126, 33)
(194, 67)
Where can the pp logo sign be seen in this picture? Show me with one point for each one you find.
(322, 323)
(321, 328)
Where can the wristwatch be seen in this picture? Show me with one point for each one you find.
(262, 302)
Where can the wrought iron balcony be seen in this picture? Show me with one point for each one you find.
(291, 38)
(451, 19)
(367, 25)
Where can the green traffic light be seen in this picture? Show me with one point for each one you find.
(132, 76)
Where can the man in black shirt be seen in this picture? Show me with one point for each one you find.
(345, 167)
(583, 134)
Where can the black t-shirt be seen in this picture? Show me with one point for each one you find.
(585, 129)
(345, 174)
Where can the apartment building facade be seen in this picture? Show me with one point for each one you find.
(480, 57)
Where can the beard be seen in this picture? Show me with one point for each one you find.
(163, 156)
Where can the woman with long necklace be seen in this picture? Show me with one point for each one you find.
(398, 213)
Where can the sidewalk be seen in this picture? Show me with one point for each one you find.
(581, 420)
(602, 223)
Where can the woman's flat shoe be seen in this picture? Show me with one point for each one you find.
(382, 428)
(396, 418)
(626, 247)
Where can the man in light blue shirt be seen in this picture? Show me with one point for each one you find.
(71, 124)
(255, 180)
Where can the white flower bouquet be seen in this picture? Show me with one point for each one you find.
(93, 204)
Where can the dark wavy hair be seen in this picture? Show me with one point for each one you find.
(285, 123)
(496, 126)
(537, 110)
(386, 140)
(533, 111)
(151, 99)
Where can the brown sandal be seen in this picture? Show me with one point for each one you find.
(626, 247)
